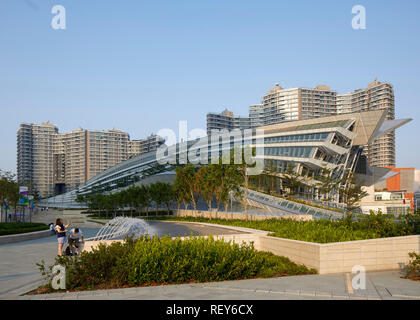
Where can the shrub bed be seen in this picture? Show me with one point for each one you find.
(8, 228)
(151, 261)
(413, 268)
(327, 231)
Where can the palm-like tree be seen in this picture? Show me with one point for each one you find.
(326, 183)
(351, 192)
(207, 183)
(292, 179)
(187, 178)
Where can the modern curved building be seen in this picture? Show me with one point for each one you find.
(334, 142)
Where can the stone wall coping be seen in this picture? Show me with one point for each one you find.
(12, 238)
(266, 234)
(368, 240)
(241, 229)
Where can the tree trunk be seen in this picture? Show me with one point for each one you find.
(218, 203)
(246, 197)
(194, 203)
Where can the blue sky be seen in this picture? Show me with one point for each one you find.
(140, 66)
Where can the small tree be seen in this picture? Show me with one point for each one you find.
(9, 191)
(351, 192)
(131, 198)
(181, 193)
(239, 174)
(207, 183)
(270, 175)
(157, 194)
(326, 183)
(291, 178)
(187, 178)
(143, 198)
(167, 195)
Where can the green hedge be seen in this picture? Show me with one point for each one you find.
(7, 228)
(327, 231)
(150, 261)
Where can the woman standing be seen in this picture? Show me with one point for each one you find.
(61, 234)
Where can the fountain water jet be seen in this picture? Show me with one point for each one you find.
(121, 227)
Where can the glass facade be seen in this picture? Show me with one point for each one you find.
(296, 152)
(333, 124)
(298, 138)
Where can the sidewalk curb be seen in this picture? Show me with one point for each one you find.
(25, 236)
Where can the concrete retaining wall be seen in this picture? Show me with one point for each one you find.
(237, 216)
(300, 252)
(340, 257)
(373, 255)
(25, 236)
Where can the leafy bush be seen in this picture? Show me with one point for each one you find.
(149, 261)
(413, 268)
(7, 228)
(326, 231)
(384, 226)
(412, 220)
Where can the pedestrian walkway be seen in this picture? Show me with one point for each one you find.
(379, 286)
(19, 273)
(75, 216)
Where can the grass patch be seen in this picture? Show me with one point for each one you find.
(326, 231)
(156, 261)
(8, 228)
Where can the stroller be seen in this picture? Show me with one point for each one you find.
(72, 250)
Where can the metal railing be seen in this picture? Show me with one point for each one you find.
(288, 207)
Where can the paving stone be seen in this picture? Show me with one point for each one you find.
(307, 293)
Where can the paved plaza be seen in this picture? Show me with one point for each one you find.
(19, 275)
(379, 286)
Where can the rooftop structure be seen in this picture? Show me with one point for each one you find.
(293, 104)
(335, 142)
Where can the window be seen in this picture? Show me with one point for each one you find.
(298, 138)
(297, 152)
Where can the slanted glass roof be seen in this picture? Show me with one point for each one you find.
(389, 125)
(333, 124)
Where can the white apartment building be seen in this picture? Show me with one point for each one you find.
(377, 96)
(280, 105)
(35, 160)
(57, 162)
